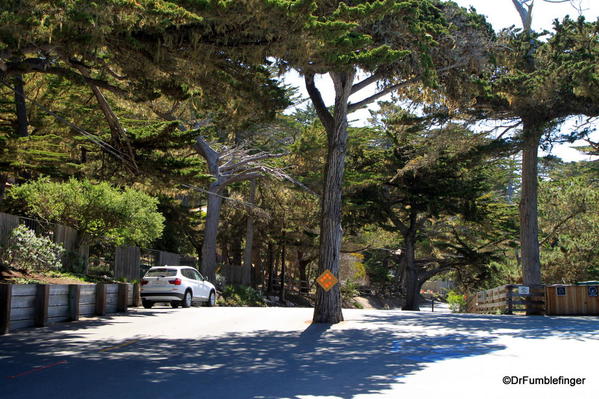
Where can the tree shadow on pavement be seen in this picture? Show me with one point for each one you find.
(323, 360)
(529, 327)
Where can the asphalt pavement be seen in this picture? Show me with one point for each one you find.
(271, 353)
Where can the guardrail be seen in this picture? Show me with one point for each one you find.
(39, 305)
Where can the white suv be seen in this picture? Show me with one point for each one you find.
(179, 285)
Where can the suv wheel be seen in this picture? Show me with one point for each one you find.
(211, 299)
(186, 302)
(147, 304)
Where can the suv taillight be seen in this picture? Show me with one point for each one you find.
(176, 281)
(144, 282)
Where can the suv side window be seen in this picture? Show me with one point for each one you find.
(197, 275)
(186, 273)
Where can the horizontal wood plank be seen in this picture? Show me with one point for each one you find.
(24, 289)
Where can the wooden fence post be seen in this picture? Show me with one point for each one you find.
(136, 295)
(508, 297)
(100, 299)
(74, 300)
(42, 299)
(5, 306)
(122, 297)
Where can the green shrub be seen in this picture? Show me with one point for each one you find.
(457, 302)
(26, 251)
(349, 290)
(236, 295)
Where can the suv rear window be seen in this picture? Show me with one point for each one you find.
(161, 273)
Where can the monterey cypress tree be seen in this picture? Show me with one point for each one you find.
(395, 46)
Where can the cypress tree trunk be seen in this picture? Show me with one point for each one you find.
(21, 107)
(210, 233)
(529, 229)
(283, 269)
(249, 241)
(328, 304)
(411, 283)
(271, 267)
(302, 265)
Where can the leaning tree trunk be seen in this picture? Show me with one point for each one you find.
(328, 303)
(529, 229)
(210, 233)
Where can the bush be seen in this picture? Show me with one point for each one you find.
(236, 295)
(220, 282)
(457, 302)
(349, 290)
(26, 251)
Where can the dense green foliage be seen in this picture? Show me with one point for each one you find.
(118, 93)
(98, 211)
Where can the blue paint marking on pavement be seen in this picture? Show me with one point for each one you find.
(395, 347)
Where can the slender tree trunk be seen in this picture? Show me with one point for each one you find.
(235, 245)
(283, 269)
(529, 229)
(249, 240)
(328, 304)
(302, 265)
(271, 267)
(412, 286)
(21, 107)
(210, 233)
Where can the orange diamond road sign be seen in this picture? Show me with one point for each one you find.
(327, 280)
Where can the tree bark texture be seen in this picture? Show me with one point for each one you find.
(211, 232)
(302, 265)
(22, 128)
(411, 281)
(249, 241)
(271, 267)
(328, 303)
(283, 269)
(529, 229)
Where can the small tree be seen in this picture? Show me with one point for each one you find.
(97, 211)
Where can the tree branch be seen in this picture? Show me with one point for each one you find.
(40, 65)
(366, 82)
(209, 154)
(323, 113)
(557, 226)
(361, 104)
(250, 158)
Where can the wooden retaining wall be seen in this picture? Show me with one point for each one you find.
(39, 305)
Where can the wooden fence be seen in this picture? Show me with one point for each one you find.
(572, 300)
(508, 299)
(39, 305)
(128, 261)
(63, 235)
(233, 274)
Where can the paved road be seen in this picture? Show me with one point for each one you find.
(269, 353)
